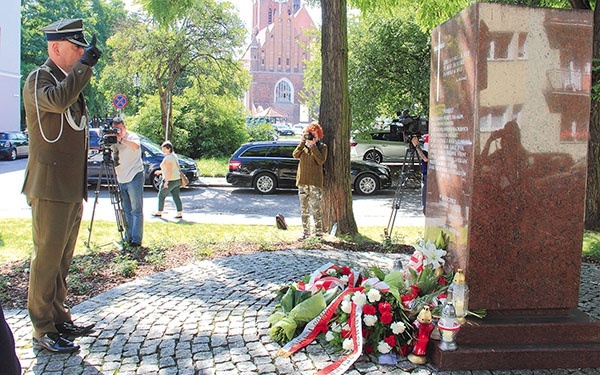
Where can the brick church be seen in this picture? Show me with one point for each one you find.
(275, 58)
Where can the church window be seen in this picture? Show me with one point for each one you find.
(284, 92)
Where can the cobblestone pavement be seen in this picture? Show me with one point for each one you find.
(210, 318)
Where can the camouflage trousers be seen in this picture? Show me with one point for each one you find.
(310, 200)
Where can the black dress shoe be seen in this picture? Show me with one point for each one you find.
(70, 329)
(55, 343)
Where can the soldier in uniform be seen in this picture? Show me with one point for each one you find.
(56, 179)
(309, 178)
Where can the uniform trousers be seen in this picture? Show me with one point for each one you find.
(310, 200)
(55, 229)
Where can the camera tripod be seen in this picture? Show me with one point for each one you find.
(408, 174)
(107, 168)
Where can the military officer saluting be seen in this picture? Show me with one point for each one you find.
(55, 177)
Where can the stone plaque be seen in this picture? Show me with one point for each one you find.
(510, 103)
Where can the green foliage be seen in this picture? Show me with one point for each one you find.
(125, 266)
(213, 167)
(194, 50)
(388, 68)
(260, 131)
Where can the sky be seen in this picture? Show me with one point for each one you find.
(245, 10)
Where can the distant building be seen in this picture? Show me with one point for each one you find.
(10, 65)
(276, 57)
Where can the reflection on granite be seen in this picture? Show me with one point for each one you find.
(508, 143)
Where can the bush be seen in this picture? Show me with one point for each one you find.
(261, 132)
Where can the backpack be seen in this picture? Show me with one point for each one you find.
(280, 221)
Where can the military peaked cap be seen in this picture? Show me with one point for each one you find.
(69, 29)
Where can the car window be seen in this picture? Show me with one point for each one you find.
(256, 151)
(380, 136)
(281, 152)
(151, 147)
(3, 136)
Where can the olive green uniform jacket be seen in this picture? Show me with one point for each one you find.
(56, 170)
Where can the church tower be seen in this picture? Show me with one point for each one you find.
(276, 57)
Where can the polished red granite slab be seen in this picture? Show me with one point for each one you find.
(510, 101)
(509, 116)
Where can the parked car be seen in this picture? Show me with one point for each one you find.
(380, 147)
(13, 144)
(283, 129)
(152, 156)
(298, 129)
(267, 166)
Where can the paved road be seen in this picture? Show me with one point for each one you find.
(212, 200)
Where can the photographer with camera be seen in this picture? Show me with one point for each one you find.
(309, 178)
(55, 178)
(423, 155)
(130, 176)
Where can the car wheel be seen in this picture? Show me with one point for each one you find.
(366, 184)
(156, 180)
(265, 183)
(13, 154)
(373, 155)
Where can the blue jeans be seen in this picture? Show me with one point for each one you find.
(132, 194)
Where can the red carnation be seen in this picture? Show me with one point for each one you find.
(366, 333)
(384, 307)
(346, 271)
(442, 280)
(390, 340)
(369, 310)
(386, 318)
(415, 291)
(368, 349)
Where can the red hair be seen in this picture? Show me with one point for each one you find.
(315, 128)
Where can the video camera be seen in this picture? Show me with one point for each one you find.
(409, 126)
(109, 134)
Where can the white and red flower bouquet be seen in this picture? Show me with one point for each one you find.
(361, 311)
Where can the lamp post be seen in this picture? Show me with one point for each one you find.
(137, 82)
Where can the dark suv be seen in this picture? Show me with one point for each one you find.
(13, 145)
(267, 166)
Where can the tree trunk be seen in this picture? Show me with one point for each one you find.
(592, 216)
(334, 117)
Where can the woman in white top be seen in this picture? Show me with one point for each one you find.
(169, 168)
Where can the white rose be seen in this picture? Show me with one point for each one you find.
(370, 320)
(398, 328)
(344, 279)
(348, 344)
(331, 272)
(346, 306)
(373, 295)
(383, 347)
(359, 299)
(336, 328)
(329, 336)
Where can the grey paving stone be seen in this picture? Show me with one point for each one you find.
(209, 318)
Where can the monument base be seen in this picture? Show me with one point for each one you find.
(525, 342)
